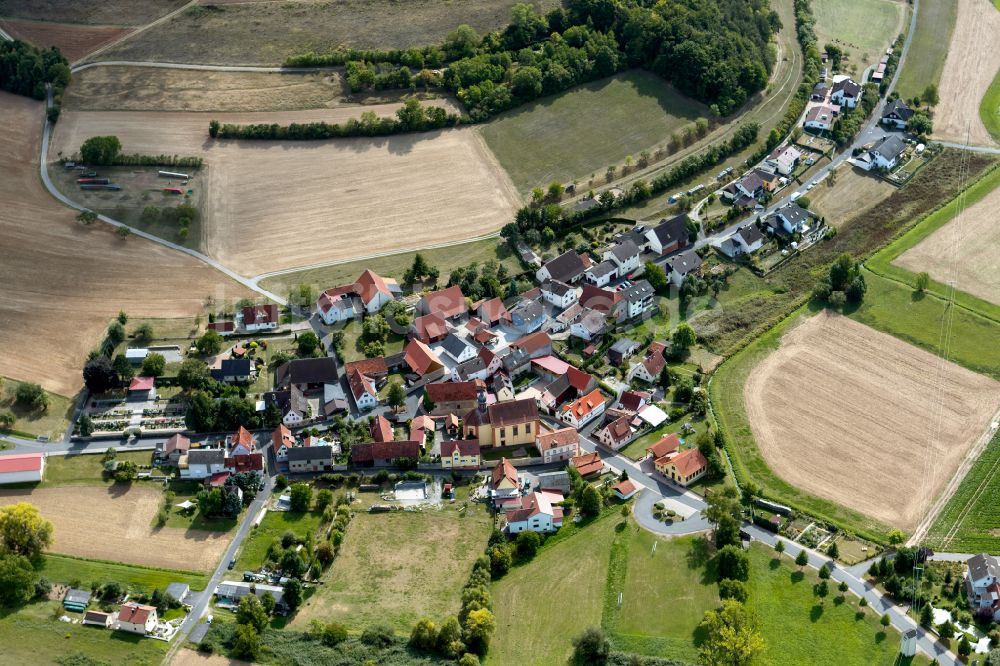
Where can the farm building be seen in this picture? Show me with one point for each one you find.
(22, 468)
(452, 397)
(76, 600)
(230, 592)
(98, 619)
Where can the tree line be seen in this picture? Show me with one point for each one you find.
(716, 52)
(25, 69)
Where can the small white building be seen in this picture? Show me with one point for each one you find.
(559, 294)
(583, 410)
(22, 468)
(536, 513)
(136, 618)
(624, 255)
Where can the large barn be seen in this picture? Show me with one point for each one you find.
(21, 468)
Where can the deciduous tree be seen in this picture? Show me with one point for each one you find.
(23, 530)
(732, 636)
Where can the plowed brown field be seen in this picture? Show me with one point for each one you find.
(861, 418)
(75, 41)
(62, 282)
(283, 204)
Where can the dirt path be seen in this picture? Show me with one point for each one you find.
(972, 63)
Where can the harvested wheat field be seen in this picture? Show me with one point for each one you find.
(111, 523)
(284, 204)
(107, 12)
(972, 63)
(853, 194)
(861, 418)
(75, 41)
(965, 251)
(68, 281)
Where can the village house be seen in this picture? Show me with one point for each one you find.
(175, 447)
(527, 316)
(568, 267)
(819, 92)
(746, 190)
(535, 345)
(745, 240)
(789, 219)
(307, 374)
(684, 468)
(681, 265)
(234, 371)
(637, 299)
(310, 459)
(510, 423)
(449, 303)
(615, 434)
(229, 593)
(241, 442)
(384, 453)
(458, 349)
(621, 350)
(559, 294)
(282, 441)
(422, 361)
(556, 445)
(588, 464)
(601, 300)
(202, 463)
(363, 390)
(601, 274)
(624, 255)
(291, 403)
(136, 618)
(369, 293)
(460, 454)
(669, 235)
(821, 117)
(223, 328)
(535, 513)
(452, 397)
(583, 410)
(886, 154)
(381, 429)
(982, 583)
(505, 484)
(430, 328)
(492, 312)
(784, 158)
(482, 367)
(141, 389)
(649, 369)
(589, 326)
(896, 114)
(98, 619)
(846, 92)
(630, 402)
(664, 447)
(259, 317)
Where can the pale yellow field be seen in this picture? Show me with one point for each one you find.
(965, 251)
(861, 418)
(62, 282)
(109, 523)
(853, 193)
(279, 205)
(972, 63)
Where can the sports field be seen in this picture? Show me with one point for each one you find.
(231, 33)
(56, 271)
(277, 205)
(581, 132)
(964, 252)
(863, 28)
(857, 417)
(115, 523)
(75, 41)
(929, 48)
(395, 568)
(972, 63)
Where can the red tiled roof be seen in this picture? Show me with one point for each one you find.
(177, 443)
(222, 326)
(532, 343)
(369, 284)
(449, 302)
(420, 358)
(666, 445)
(503, 471)
(382, 429)
(587, 464)
(601, 300)
(361, 384)
(533, 504)
(218, 479)
(484, 336)
(282, 436)
(430, 327)
(493, 310)
(689, 462)
(465, 447)
(244, 437)
(384, 451)
(579, 379)
(245, 463)
(624, 488)
(633, 400)
(655, 361)
(134, 613)
(558, 439)
(452, 391)
(583, 406)
(371, 367)
(20, 462)
(619, 429)
(260, 314)
(142, 383)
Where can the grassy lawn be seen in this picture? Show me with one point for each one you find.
(726, 393)
(542, 605)
(193, 519)
(446, 259)
(798, 629)
(581, 132)
(862, 27)
(665, 594)
(275, 523)
(31, 635)
(353, 343)
(52, 422)
(394, 568)
(970, 521)
(86, 469)
(637, 449)
(989, 108)
(65, 569)
(935, 23)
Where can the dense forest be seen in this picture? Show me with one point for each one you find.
(716, 51)
(25, 69)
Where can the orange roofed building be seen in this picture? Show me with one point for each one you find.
(684, 468)
(588, 464)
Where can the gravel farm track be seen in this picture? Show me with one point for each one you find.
(69, 281)
(281, 204)
(866, 420)
(109, 523)
(972, 63)
(964, 252)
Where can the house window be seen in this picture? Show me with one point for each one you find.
(515, 431)
(527, 428)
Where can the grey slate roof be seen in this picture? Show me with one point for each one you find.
(638, 291)
(602, 269)
(898, 107)
(674, 229)
(206, 457)
(566, 267)
(890, 148)
(982, 565)
(750, 234)
(624, 251)
(556, 287)
(308, 371)
(454, 345)
(685, 262)
(793, 214)
(310, 453)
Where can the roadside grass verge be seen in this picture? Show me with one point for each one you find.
(578, 133)
(53, 421)
(66, 569)
(989, 108)
(970, 521)
(929, 48)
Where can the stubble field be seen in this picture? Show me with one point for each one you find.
(858, 417)
(112, 523)
(853, 194)
(75, 41)
(278, 205)
(109, 12)
(64, 282)
(972, 63)
(965, 251)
